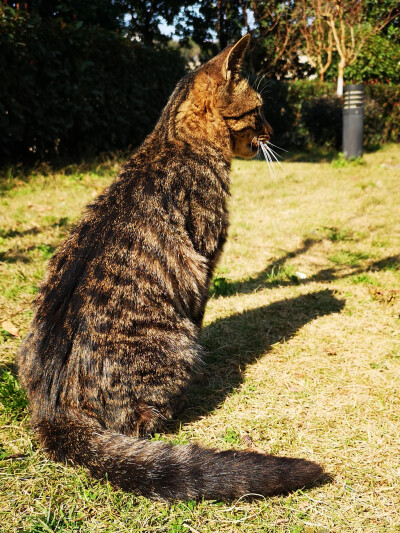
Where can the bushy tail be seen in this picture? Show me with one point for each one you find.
(160, 470)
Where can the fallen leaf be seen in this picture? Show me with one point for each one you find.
(10, 328)
(247, 440)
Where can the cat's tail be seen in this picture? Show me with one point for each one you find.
(160, 470)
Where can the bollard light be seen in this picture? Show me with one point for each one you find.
(353, 120)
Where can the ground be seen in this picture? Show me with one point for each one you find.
(302, 343)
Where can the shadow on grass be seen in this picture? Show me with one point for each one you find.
(21, 255)
(274, 274)
(237, 341)
(11, 233)
(14, 257)
(266, 278)
(314, 156)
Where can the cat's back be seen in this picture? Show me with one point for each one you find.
(134, 254)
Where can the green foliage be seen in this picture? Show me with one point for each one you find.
(379, 59)
(221, 286)
(74, 84)
(231, 436)
(277, 275)
(178, 526)
(342, 162)
(305, 113)
(47, 250)
(336, 234)
(105, 13)
(57, 520)
(347, 258)
(322, 116)
(363, 278)
(283, 110)
(12, 397)
(69, 90)
(382, 113)
(202, 20)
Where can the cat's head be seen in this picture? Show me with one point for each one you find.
(230, 106)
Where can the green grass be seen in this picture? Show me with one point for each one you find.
(302, 340)
(353, 259)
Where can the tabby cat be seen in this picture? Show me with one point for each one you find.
(113, 345)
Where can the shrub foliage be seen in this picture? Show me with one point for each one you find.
(70, 90)
(307, 113)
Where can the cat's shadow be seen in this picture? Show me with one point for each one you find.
(233, 343)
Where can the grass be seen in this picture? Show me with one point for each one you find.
(303, 341)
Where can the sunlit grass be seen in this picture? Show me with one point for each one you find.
(303, 351)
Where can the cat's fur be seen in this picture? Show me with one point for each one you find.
(114, 342)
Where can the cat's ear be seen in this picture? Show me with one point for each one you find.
(233, 60)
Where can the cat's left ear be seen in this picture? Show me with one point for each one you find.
(234, 58)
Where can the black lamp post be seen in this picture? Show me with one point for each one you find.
(353, 120)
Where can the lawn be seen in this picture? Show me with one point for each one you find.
(302, 334)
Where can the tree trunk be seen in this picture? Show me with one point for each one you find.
(340, 79)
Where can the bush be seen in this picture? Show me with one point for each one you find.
(69, 90)
(382, 113)
(322, 117)
(307, 113)
(283, 109)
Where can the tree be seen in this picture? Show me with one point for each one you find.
(317, 35)
(351, 27)
(379, 60)
(107, 14)
(204, 20)
(278, 35)
(138, 18)
(144, 18)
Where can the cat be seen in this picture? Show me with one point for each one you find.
(113, 345)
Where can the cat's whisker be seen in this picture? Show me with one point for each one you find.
(273, 151)
(271, 166)
(260, 80)
(263, 89)
(273, 155)
(278, 147)
(268, 160)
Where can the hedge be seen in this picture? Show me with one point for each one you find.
(69, 90)
(307, 113)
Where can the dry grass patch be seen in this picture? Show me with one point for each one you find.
(303, 349)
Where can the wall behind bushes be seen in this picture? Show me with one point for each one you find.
(68, 90)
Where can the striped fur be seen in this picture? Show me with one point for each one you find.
(114, 344)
